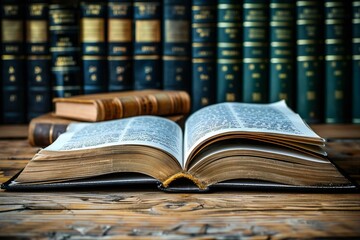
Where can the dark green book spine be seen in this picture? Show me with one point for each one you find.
(337, 108)
(204, 40)
(282, 48)
(38, 61)
(147, 45)
(176, 45)
(229, 36)
(65, 50)
(93, 42)
(310, 60)
(119, 36)
(255, 51)
(12, 55)
(356, 61)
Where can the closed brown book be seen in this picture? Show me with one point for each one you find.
(107, 106)
(45, 129)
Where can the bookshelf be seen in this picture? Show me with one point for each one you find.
(306, 52)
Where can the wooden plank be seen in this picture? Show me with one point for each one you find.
(13, 131)
(179, 223)
(16, 149)
(121, 199)
(337, 131)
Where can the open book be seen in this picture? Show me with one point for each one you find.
(227, 144)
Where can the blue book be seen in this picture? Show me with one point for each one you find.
(356, 61)
(310, 60)
(120, 38)
(229, 47)
(177, 45)
(93, 43)
(255, 51)
(65, 50)
(282, 48)
(147, 44)
(12, 56)
(38, 61)
(204, 40)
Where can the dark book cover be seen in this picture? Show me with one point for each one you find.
(177, 45)
(310, 60)
(38, 61)
(147, 44)
(255, 51)
(12, 56)
(120, 38)
(337, 84)
(229, 47)
(65, 50)
(204, 39)
(356, 61)
(93, 16)
(282, 49)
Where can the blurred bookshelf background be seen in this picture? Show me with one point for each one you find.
(306, 52)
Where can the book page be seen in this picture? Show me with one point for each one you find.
(274, 118)
(150, 131)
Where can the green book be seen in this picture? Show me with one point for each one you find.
(282, 37)
(336, 64)
(38, 60)
(203, 21)
(147, 44)
(176, 44)
(255, 51)
(119, 45)
(93, 43)
(229, 48)
(356, 61)
(12, 80)
(310, 60)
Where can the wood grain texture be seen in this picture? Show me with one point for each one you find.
(143, 214)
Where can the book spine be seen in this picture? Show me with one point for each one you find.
(336, 64)
(44, 134)
(255, 51)
(38, 60)
(204, 40)
(176, 45)
(356, 61)
(310, 60)
(93, 43)
(282, 47)
(65, 50)
(229, 55)
(13, 65)
(147, 45)
(163, 103)
(120, 38)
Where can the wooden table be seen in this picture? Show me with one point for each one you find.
(119, 213)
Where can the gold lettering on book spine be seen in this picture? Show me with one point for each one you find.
(36, 31)
(92, 30)
(147, 31)
(177, 31)
(119, 30)
(12, 31)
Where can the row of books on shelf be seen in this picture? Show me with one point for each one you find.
(306, 52)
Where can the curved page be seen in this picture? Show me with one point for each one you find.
(150, 131)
